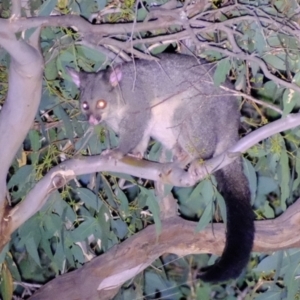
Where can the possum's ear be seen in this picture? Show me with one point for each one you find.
(74, 75)
(115, 76)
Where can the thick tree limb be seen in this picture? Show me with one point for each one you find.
(166, 173)
(124, 261)
(23, 98)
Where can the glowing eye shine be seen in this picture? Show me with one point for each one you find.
(85, 106)
(101, 103)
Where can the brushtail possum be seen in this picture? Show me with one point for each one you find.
(176, 103)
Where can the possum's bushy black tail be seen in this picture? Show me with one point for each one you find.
(240, 225)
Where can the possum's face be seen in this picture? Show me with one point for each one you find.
(97, 96)
(94, 111)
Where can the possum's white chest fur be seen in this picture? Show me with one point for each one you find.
(161, 123)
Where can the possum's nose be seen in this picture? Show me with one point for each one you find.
(94, 120)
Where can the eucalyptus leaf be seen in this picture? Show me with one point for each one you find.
(268, 211)
(266, 185)
(47, 7)
(6, 284)
(158, 49)
(127, 177)
(108, 191)
(59, 256)
(297, 180)
(31, 248)
(290, 100)
(141, 15)
(222, 206)
(85, 229)
(94, 55)
(154, 283)
(260, 41)
(207, 190)
(284, 177)
(254, 68)
(151, 201)
(124, 206)
(94, 144)
(275, 61)
(51, 71)
(271, 91)
(35, 140)
(120, 228)
(291, 259)
(89, 198)
(129, 294)
(62, 115)
(203, 292)
(268, 264)
(23, 175)
(275, 294)
(202, 192)
(52, 225)
(221, 72)
(69, 256)
(104, 229)
(77, 254)
(45, 245)
(101, 4)
(290, 282)
(30, 229)
(205, 218)
(252, 179)
(292, 287)
(257, 151)
(3, 253)
(240, 83)
(63, 208)
(155, 152)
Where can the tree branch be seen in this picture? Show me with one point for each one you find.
(23, 98)
(178, 236)
(166, 173)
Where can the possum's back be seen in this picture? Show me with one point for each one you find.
(172, 74)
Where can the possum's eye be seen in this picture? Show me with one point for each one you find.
(101, 104)
(85, 105)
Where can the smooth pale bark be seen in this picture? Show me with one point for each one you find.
(178, 236)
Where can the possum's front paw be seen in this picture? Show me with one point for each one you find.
(197, 170)
(117, 154)
(180, 156)
(113, 154)
(136, 154)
